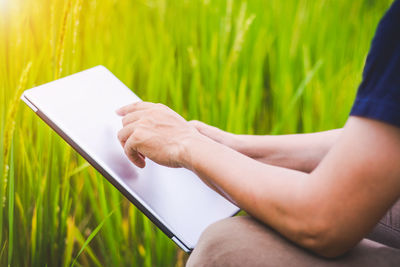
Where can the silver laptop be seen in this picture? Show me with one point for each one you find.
(81, 109)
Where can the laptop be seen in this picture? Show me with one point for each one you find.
(81, 109)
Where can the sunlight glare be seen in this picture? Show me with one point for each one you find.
(3, 4)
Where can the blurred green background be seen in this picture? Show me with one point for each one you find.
(255, 66)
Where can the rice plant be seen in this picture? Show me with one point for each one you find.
(247, 66)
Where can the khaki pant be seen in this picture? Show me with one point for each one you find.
(243, 241)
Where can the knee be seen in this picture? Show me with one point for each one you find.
(221, 243)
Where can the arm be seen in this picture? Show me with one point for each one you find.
(327, 211)
(301, 152)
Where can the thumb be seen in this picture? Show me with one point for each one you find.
(135, 157)
(207, 130)
(198, 124)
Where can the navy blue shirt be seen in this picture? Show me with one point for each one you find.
(378, 96)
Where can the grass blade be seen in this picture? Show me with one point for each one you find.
(90, 237)
(11, 208)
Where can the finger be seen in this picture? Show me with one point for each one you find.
(209, 131)
(125, 133)
(204, 128)
(133, 117)
(137, 159)
(134, 156)
(134, 107)
(197, 124)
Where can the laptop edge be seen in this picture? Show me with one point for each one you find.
(103, 172)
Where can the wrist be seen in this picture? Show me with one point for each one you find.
(233, 141)
(188, 148)
(255, 146)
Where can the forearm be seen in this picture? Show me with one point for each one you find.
(272, 194)
(327, 211)
(301, 152)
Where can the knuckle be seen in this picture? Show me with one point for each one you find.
(153, 111)
(120, 135)
(140, 123)
(130, 145)
(137, 105)
(125, 120)
(145, 121)
(159, 105)
(136, 137)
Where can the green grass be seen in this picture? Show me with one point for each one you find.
(256, 66)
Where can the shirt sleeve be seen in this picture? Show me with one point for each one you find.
(378, 95)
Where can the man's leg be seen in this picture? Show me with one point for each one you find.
(242, 241)
(387, 231)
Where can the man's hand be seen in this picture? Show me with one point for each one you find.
(330, 209)
(216, 134)
(154, 131)
(301, 152)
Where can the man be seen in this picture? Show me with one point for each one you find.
(316, 195)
